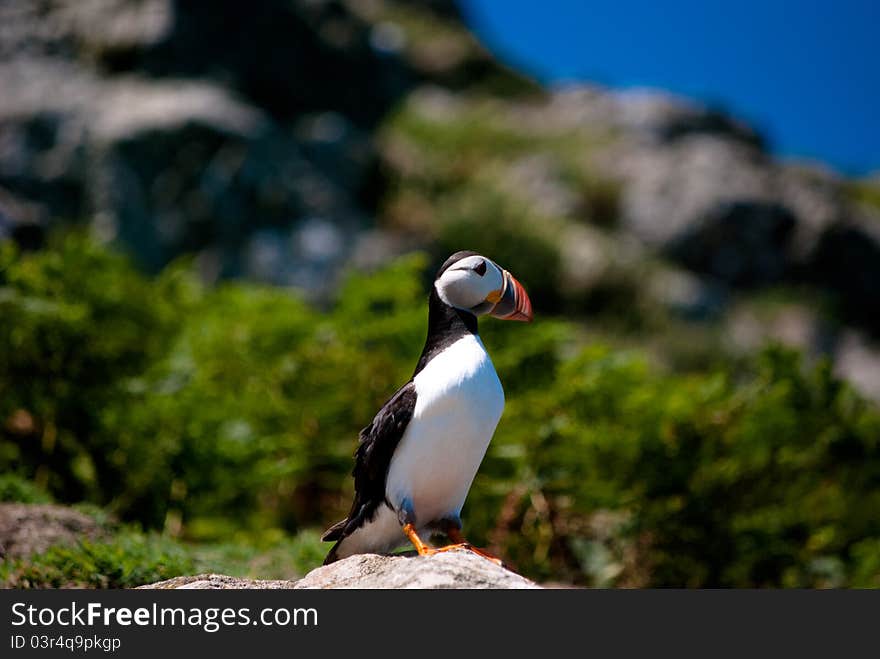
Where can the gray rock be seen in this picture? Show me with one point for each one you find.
(744, 243)
(750, 326)
(217, 582)
(651, 116)
(174, 166)
(21, 221)
(668, 189)
(847, 262)
(87, 29)
(453, 569)
(683, 168)
(663, 117)
(707, 197)
(857, 360)
(538, 181)
(686, 294)
(287, 57)
(814, 194)
(32, 528)
(174, 131)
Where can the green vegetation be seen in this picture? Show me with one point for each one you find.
(129, 559)
(864, 192)
(15, 488)
(772, 481)
(223, 421)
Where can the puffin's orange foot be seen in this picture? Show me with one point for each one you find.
(430, 551)
(440, 550)
(459, 542)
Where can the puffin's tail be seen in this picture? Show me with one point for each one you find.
(335, 532)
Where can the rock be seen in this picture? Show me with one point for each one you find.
(687, 295)
(92, 30)
(683, 167)
(858, 361)
(235, 182)
(664, 118)
(238, 133)
(668, 189)
(23, 222)
(538, 180)
(814, 195)
(42, 150)
(743, 243)
(648, 115)
(217, 582)
(769, 216)
(168, 167)
(847, 261)
(750, 326)
(453, 569)
(32, 528)
(286, 57)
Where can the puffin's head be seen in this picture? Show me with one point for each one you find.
(474, 283)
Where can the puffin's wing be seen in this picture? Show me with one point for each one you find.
(377, 444)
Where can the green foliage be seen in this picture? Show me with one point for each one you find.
(693, 481)
(864, 192)
(277, 556)
(204, 410)
(129, 559)
(78, 321)
(17, 489)
(228, 417)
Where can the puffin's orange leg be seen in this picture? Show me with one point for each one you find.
(458, 543)
(421, 547)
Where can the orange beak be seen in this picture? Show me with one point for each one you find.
(513, 302)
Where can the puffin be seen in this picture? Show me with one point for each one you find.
(416, 460)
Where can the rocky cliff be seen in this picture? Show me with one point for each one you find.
(284, 141)
(239, 132)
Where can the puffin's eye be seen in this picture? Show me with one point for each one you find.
(480, 268)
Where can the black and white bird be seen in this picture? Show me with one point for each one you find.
(417, 459)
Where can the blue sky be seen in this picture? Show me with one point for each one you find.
(805, 72)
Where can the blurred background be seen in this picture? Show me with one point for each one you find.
(218, 225)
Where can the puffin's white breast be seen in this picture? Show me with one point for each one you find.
(459, 401)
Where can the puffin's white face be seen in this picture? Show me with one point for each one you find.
(477, 284)
(467, 283)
